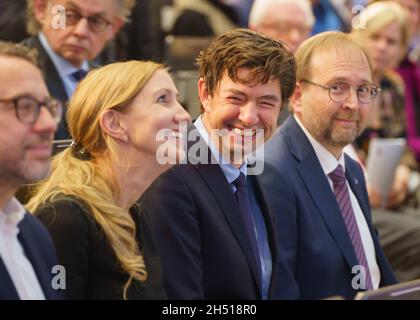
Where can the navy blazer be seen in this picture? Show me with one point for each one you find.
(205, 250)
(40, 251)
(312, 234)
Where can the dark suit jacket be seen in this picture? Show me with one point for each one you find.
(206, 252)
(40, 251)
(312, 233)
(54, 83)
(91, 266)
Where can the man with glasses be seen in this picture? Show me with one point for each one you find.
(28, 120)
(68, 35)
(318, 193)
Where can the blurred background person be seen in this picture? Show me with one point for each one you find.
(386, 36)
(409, 70)
(67, 50)
(290, 21)
(88, 202)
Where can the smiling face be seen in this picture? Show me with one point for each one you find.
(156, 108)
(236, 110)
(333, 124)
(25, 149)
(77, 43)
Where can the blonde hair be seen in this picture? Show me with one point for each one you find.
(325, 41)
(33, 26)
(380, 14)
(110, 87)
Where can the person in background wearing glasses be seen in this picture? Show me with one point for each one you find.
(290, 21)
(68, 35)
(386, 38)
(318, 193)
(28, 120)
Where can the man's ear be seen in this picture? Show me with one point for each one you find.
(116, 26)
(296, 99)
(112, 124)
(40, 10)
(204, 94)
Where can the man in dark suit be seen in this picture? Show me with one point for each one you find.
(28, 121)
(317, 193)
(68, 35)
(216, 236)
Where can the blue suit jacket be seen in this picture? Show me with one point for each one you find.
(204, 246)
(312, 233)
(40, 251)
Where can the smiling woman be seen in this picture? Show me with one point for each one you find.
(87, 203)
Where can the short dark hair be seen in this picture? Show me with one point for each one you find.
(267, 58)
(11, 49)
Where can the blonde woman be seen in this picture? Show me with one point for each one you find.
(385, 35)
(88, 202)
(386, 38)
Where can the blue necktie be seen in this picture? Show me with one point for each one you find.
(79, 75)
(244, 205)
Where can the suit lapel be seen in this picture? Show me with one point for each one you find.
(218, 186)
(356, 187)
(35, 256)
(216, 181)
(319, 189)
(54, 82)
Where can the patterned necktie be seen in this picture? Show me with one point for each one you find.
(244, 205)
(79, 75)
(343, 199)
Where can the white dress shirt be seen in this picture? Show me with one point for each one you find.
(329, 163)
(11, 252)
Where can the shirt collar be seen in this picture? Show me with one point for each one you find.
(12, 213)
(328, 162)
(63, 67)
(229, 170)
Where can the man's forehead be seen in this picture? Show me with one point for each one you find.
(336, 59)
(22, 77)
(88, 6)
(285, 12)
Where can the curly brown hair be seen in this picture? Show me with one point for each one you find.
(267, 58)
(17, 50)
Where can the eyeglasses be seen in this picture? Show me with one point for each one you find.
(28, 108)
(285, 28)
(340, 91)
(96, 23)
